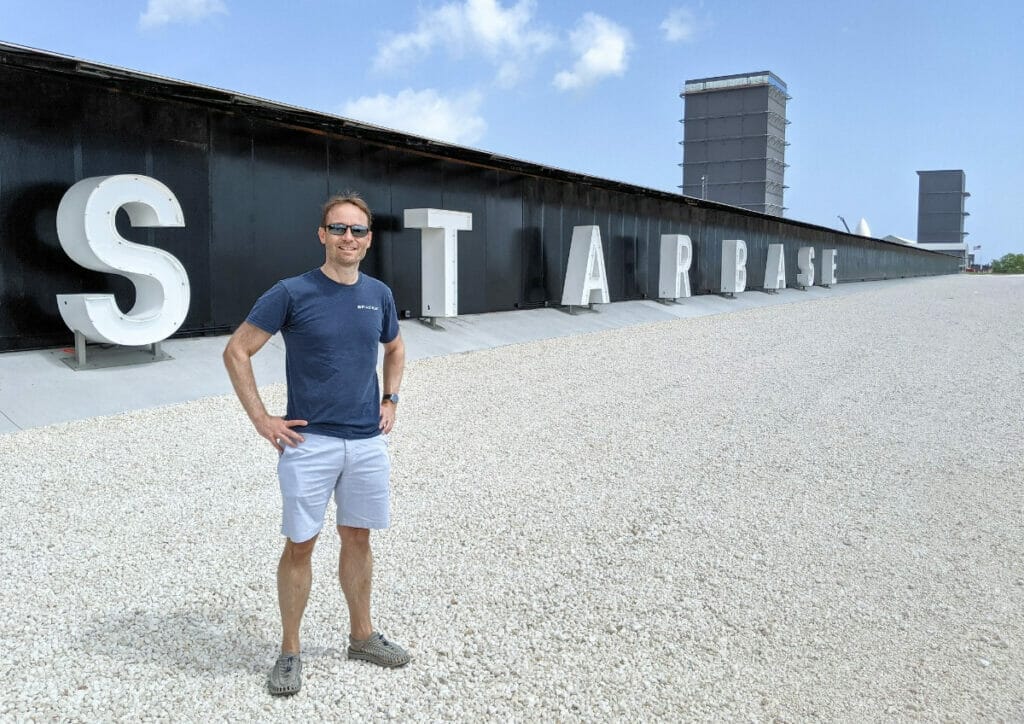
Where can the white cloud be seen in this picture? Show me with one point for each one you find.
(509, 74)
(603, 50)
(164, 12)
(403, 49)
(504, 35)
(680, 25)
(424, 113)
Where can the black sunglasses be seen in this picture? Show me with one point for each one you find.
(358, 230)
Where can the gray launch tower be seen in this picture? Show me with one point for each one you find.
(734, 140)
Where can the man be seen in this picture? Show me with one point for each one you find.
(331, 441)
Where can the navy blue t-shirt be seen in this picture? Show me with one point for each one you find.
(331, 332)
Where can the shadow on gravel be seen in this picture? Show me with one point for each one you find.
(201, 640)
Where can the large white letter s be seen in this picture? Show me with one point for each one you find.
(86, 229)
(805, 261)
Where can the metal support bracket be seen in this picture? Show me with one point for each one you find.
(102, 356)
(575, 309)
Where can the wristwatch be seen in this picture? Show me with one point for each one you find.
(392, 398)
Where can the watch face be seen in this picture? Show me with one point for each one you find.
(393, 397)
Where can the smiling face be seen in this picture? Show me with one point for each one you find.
(345, 250)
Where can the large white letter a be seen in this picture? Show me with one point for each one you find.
(585, 278)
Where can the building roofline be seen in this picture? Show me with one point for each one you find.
(155, 86)
(736, 76)
(722, 82)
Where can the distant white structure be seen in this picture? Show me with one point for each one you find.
(862, 228)
(952, 248)
(947, 246)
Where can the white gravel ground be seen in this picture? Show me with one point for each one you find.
(811, 511)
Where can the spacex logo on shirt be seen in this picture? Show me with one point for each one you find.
(368, 306)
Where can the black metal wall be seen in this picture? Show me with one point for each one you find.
(251, 177)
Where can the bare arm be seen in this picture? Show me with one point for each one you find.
(394, 368)
(247, 340)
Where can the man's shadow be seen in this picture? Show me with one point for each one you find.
(204, 639)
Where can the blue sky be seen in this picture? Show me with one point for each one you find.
(879, 89)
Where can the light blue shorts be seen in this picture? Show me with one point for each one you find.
(356, 472)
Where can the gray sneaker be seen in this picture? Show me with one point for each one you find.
(286, 677)
(378, 650)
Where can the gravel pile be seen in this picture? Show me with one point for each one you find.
(805, 511)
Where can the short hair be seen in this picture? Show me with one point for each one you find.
(349, 197)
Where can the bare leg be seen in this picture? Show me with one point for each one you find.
(355, 570)
(294, 579)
